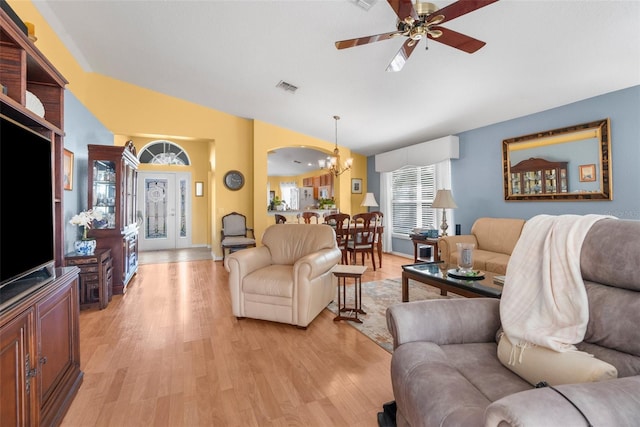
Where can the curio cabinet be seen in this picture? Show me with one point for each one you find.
(113, 174)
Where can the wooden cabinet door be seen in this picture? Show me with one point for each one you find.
(58, 348)
(17, 386)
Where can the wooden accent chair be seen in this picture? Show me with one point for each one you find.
(280, 219)
(306, 217)
(341, 223)
(235, 233)
(363, 237)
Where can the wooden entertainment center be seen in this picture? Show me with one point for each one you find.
(39, 324)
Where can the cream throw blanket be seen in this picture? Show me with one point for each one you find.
(544, 301)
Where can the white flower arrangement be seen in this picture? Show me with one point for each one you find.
(85, 219)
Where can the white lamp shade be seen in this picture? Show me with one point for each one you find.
(369, 200)
(444, 200)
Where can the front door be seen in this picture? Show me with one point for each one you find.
(165, 204)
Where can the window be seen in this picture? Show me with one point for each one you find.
(413, 190)
(163, 153)
(287, 195)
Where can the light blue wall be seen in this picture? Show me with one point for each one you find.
(477, 175)
(81, 129)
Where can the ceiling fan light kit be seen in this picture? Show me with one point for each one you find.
(422, 20)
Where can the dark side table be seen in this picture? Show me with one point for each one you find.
(95, 277)
(421, 240)
(342, 272)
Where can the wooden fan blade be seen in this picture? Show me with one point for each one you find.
(403, 8)
(457, 40)
(461, 7)
(364, 40)
(403, 54)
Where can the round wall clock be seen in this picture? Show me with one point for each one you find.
(234, 180)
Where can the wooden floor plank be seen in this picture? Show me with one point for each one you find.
(170, 353)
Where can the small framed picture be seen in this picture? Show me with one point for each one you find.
(199, 188)
(587, 173)
(67, 170)
(356, 185)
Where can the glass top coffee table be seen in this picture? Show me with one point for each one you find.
(437, 274)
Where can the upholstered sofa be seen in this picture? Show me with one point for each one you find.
(494, 240)
(445, 370)
(288, 279)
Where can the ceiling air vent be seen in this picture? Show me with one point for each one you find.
(365, 4)
(287, 86)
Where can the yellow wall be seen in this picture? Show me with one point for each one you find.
(223, 140)
(269, 137)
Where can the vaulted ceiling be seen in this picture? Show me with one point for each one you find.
(230, 55)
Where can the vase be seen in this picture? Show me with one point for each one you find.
(85, 247)
(465, 256)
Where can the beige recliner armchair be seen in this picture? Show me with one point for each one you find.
(288, 279)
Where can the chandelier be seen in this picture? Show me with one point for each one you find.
(333, 162)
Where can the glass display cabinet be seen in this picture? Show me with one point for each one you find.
(113, 174)
(539, 176)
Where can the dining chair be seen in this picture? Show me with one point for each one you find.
(235, 234)
(280, 219)
(363, 237)
(379, 221)
(341, 223)
(306, 217)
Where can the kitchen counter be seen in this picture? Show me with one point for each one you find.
(292, 216)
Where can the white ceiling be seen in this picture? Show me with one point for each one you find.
(229, 55)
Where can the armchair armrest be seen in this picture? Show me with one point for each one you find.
(247, 261)
(317, 263)
(605, 403)
(240, 264)
(451, 321)
(447, 245)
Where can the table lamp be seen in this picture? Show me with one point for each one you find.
(369, 200)
(444, 200)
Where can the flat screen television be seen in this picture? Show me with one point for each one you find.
(27, 254)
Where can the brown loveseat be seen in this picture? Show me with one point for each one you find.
(494, 240)
(289, 278)
(445, 370)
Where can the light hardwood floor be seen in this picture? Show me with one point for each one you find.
(170, 353)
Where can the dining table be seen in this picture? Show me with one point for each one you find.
(380, 230)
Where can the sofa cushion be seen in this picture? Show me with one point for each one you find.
(493, 262)
(610, 254)
(497, 264)
(274, 281)
(536, 364)
(449, 385)
(290, 242)
(497, 234)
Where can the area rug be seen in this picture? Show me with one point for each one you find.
(376, 297)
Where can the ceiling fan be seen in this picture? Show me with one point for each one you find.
(423, 20)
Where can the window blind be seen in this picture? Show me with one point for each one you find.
(413, 190)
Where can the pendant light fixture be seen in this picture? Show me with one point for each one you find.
(333, 162)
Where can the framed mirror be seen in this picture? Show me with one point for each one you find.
(572, 163)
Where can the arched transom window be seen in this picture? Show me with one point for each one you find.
(163, 152)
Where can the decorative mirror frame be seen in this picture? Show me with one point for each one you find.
(601, 186)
